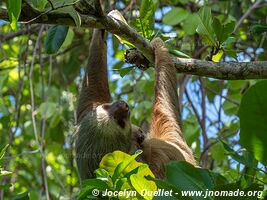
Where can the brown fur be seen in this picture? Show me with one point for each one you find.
(97, 134)
(95, 89)
(165, 140)
(95, 138)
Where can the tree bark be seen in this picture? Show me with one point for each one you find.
(219, 70)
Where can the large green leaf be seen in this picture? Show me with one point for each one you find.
(91, 187)
(141, 184)
(190, 24)
(188, 178)
(117, 162)
(218, 28)
(175, 16)
(253, 120)
(14, 9)
(145, 23)
(205, 28)
(55, 37)
(121, 167)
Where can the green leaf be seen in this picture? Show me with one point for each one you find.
(39, 4)
(229, 42)
(205, 28)
(231, 53)
(190, 24)
(3, 151)
(258, 29)
(70, 10)
(218, 152)
(14, 9)
(55, 120)
(95, 183)
(89, 186)
(227, 30)
(22, 196)
(218, 29)
(175, 16)
(48, 109)
(188, 178)
(55, 38)
(4, 172)
(145, 23)
(229, 108)
(117, 161)
(103, 175)
(4, 110)
(5, 186)
(140, 183)
(69, 38)
(124, 71)
(178, 53)
(118, 16)
(191, 130)
(253, 120)
(161, 184)
(121, 167)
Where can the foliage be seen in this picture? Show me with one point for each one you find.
(119, 171)
(41, 67)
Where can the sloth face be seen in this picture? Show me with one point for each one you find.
(114, 115)
(103, 130)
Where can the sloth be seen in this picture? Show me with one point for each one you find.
(104, 126)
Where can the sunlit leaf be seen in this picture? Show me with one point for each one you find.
(14, 9)
(2, 153)
(144, 24)
(217, 57)
(205, 28)
(140, 183)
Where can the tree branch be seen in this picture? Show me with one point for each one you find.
(221, 70)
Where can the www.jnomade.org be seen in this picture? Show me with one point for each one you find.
(165, 193)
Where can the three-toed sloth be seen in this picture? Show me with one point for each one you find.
(104, 127)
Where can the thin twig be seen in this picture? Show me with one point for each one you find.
(43, 124)
(33, 109)
(205, 157)
(225, 97)
(193, 107)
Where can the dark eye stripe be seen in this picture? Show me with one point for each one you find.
(121, 123)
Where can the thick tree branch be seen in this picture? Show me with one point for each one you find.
(222, 70)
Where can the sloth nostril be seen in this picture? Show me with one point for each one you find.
(123, 106)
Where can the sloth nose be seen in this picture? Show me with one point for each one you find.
(123, 106)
